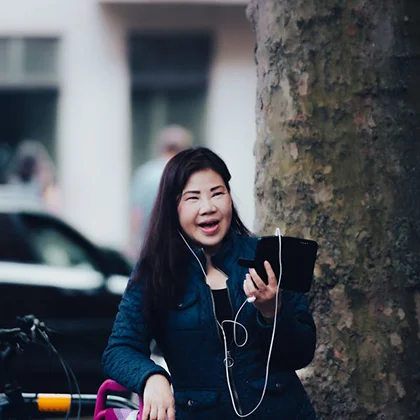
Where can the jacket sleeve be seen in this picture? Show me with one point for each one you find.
(126, 358)
(295, 336)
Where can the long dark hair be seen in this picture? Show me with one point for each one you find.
(162, 267)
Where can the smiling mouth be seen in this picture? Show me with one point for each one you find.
(210, 228)
(209, 224)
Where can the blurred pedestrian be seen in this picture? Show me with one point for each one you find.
(171, 140)
(33, 174)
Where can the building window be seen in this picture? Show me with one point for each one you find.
(169, 77)
(29, 62)
(40, 57)
(3, 57)
(29, 88)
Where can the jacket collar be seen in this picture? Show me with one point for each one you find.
(225, 258)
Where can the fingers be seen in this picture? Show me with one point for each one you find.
(146, 412)
(265, 294)
(158, 400)
(272, 280)
(154, 412)
(161, 414)
(171, 413)
(255, 286)
(260, 285)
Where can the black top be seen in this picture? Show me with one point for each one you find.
(223, 311)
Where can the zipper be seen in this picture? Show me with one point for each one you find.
(231, 307)
(230, 366)
(232, 383)
(214, 315)
(228, 355)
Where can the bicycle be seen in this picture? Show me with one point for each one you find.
(24, 406)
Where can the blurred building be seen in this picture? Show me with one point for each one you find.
(94, 80)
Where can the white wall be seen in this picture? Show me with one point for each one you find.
(93, 113)
(230, 129)
(231, 111)
(94, 109)
(95, 127)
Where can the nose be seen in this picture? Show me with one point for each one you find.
(207, 206)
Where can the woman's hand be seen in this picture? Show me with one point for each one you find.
(158, 400)
(265, 294)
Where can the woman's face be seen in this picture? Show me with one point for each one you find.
(205, 210)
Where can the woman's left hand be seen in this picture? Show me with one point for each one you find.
(265, 294)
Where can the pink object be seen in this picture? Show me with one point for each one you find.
(103, 413)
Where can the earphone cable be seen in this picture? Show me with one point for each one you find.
(235, 322)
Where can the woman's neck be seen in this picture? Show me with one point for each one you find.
(215, 278)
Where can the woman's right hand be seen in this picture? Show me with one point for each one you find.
(158, 400)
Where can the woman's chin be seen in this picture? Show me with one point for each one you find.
(211, 247)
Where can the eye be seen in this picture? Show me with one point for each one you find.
(218, 193)
(192, 197)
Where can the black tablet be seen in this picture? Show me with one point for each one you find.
(297, 256)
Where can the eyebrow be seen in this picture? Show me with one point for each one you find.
(198, 192)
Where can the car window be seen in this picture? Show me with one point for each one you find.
(115, 262)
(57, 244)
(14, 246)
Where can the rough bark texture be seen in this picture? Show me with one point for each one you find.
(338, 149)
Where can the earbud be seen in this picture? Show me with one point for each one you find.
(251, 299)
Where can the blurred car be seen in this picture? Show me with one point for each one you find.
(49, 269)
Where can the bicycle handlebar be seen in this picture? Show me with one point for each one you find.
(25, 333)
(12, 341)
(11, 334)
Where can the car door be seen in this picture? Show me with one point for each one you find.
(63, 285)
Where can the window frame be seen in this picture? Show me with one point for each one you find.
(17, 76)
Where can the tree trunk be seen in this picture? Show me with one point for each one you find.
(338, 149)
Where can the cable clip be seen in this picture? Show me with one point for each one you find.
(229, 361)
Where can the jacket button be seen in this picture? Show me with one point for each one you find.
(278, 385)
(190, 403)
(180, 305)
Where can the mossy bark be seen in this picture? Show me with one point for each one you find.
(337, 151)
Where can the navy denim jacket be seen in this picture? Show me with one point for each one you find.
(194, 351)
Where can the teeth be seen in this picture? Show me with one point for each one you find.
(208, 224)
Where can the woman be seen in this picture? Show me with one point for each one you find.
(188, 281)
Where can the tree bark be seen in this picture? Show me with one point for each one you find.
(337, 153)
